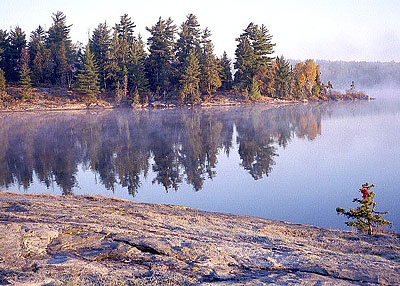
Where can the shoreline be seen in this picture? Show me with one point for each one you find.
(58, 99)
(76, 239)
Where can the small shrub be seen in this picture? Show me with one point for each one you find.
(365, 217)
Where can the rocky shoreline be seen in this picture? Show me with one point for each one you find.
(57, 99)
(86, 240)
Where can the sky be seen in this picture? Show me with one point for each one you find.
(350, 30)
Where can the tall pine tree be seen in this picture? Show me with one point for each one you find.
(283, 78)
(209, 80)
(60, 45)
(190, 79)
(100, 44)
(88, 78)
(2, 83)
(14, 52)
(225, 72)
(24, 74)
(37, 55)
(253, 58)
(189, 38)
(161, 45)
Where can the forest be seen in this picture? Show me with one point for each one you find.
(174, 63)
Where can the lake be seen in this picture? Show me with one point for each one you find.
(292, 163)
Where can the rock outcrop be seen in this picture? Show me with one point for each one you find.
(50, 240)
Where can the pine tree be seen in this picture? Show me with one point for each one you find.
(365, 217)
(225, 72)
(136, 97)
(255, 90)
(60, 45)
(282, 78)
(244, 64)
(100, 44)
(113, 69)
(253, 58)
(209, 80)
(88, 78)
(161, 45)
(137, 66)
(189, 38)
(125, 30)
(13, 57)
(36, 54)
(24, 75)
(190, 79)
(2, 83)
(4, 46)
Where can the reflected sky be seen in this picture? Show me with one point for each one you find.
(293, 163)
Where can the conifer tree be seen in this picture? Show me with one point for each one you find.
(60, 45)
(13, 57)
(161, 45)
(244, 63)
(113, 69)
(225, 72)
(189, 38)
(100, 44)
(4, 46)
(125, 30)
(255, 90)
(137, 66)
(253, 58)
(36, 55)
(88, 78)
(365, 217)
(2, 83)
(24, 74)
(283, 78)
(190, 79)
(209, 80)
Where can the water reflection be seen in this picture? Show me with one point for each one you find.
(121, 146)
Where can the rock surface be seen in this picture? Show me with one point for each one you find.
(50, 240)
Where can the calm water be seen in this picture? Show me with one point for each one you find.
(291, 163)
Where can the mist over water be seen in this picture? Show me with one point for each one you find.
(293, 163)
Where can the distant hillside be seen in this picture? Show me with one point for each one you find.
(364, 74)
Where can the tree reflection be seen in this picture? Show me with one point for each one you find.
(122, 146)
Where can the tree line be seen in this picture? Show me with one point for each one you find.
(175, 63)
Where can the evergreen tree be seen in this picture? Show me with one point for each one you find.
(225, 72)
(189, 38)
(36, 55)
(2, 83)
(113, 69)
(100, 44)
(255, 90)
(137, 66)
(190, 79)
(125, 30)
(365, 217)
(24, 74)
(60, 45)
(88, 78)
(283, 78)
(13, 57)
(4, 46)
(253, 58)
(161, 45)
(209, 80)
(244, 63)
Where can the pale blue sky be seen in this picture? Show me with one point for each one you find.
(336, 29)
